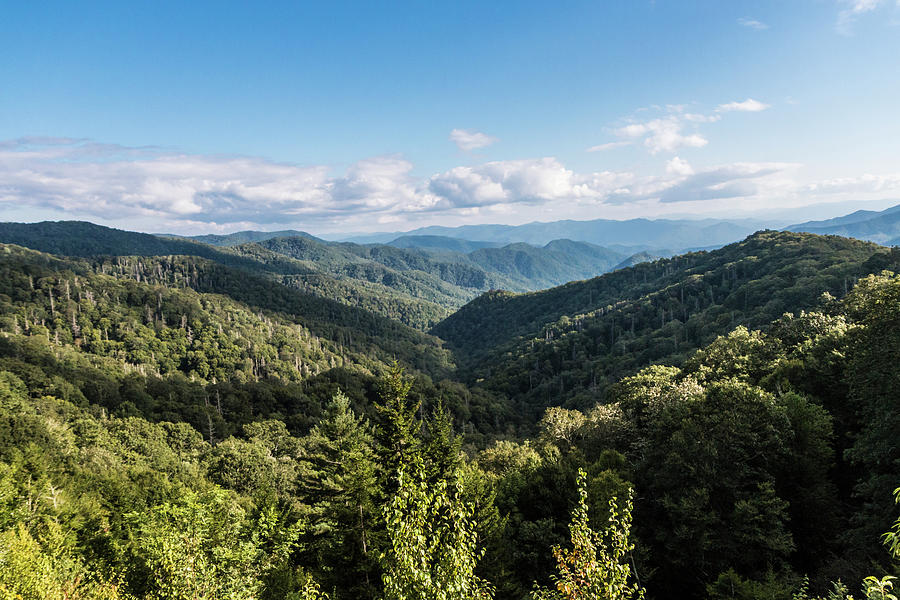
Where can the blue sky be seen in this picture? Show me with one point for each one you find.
(339, 116)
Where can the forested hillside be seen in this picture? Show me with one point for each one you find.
(128, 306)
(244, 237)
(440, 243)
(415, 286)
(567, 344)
(78, 238)
(174, 427)
(446, 277)
(88, 240)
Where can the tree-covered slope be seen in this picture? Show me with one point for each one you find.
(761, 468)
(564, 345)
(557, 262)
(244, 237)
(198, 317)
(447, 277)
(676, 234)
(415, 286)
(80, 238)
(75, 238)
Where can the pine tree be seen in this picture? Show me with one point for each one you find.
(340, 483)
(398, 427)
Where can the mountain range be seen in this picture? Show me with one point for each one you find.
(637, 234)
(882, 227)
(151, 385)
(418, 286)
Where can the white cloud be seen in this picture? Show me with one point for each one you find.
(470, 140)
(867, 183)
(698, 118)
(676, 128)
(374, 183)
(106, 181)
(748, 105)
(853, 9)
(158, 190)
(607, 146)
(663, 135)
(737, 180)
(752, 23)
(858, 7)
(678, 166)
(530, 181)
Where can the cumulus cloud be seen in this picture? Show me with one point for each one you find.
(724, 182)
(467, 140)
(101, 180)
(737, 180)
(675, 128)
(752, 23)
(532, 181)
(374, 184)
(663, 135)
(160, 190)
(678, 166)
(748, 105)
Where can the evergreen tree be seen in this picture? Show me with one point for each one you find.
(398, 425)
(442, 446)
(340, 484)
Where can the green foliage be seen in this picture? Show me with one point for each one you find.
(565, 345)
(731, 586)
(433, 543)
(879, 589)
(892, 537)
(177, 427)
(597, 566)
(414, 286)
(44, 570)
(398, 427)
(206, 545)
(432, 537)
(874, 377)
(309, 590)
(340, 483)
(185, 314)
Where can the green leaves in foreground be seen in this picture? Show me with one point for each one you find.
(206, 546)
(433, 544)
(597, 565)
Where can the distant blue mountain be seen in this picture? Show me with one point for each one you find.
(882, 227)
(441, 243)
(640, 234)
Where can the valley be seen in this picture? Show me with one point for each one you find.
(230, 373)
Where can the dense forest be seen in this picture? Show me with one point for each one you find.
(717, 425)
(418, 286)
